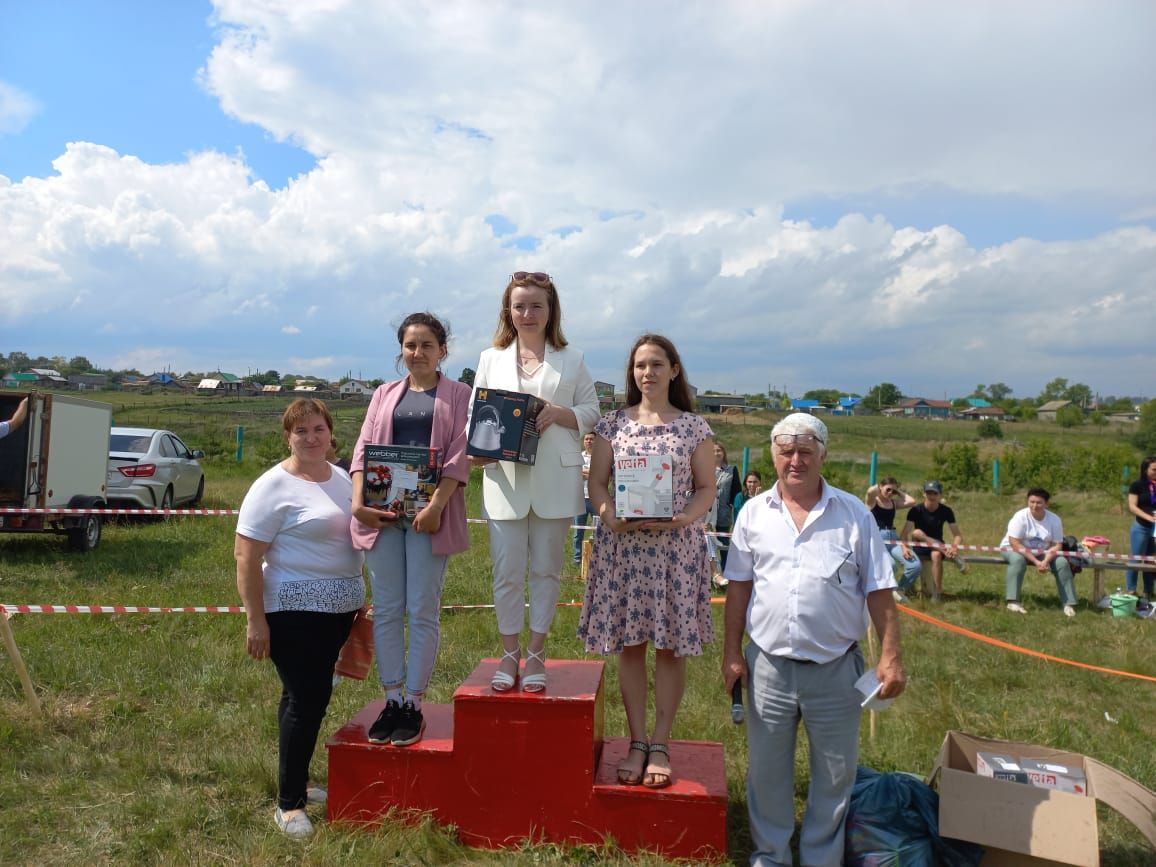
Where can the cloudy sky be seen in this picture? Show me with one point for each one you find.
(800, 194)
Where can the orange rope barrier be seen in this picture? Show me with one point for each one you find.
(1015, 648)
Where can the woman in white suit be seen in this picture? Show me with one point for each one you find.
(529, 508)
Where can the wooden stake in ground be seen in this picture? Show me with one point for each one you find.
(18, 664)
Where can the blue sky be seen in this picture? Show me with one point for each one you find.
(807, 194)
(124, 74)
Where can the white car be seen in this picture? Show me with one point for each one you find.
(153, 469)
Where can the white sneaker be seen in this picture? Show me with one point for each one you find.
(1018, 609)
(316, 795)
(898, 596)
(1069, 611)
(297, 826)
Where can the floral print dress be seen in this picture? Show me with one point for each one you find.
(651, 585)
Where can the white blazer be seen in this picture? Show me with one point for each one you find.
(553, 486)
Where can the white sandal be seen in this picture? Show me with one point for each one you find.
(501, 681)
(535, 682)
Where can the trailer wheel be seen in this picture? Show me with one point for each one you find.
(86, 536)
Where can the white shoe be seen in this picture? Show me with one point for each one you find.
(898, 596)
(316, 795)
(1069, 611)
(297, 826)
(1017, 608)
(962, 564)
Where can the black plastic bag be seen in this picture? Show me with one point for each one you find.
(893, 821)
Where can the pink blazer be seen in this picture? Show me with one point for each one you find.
(451, 405)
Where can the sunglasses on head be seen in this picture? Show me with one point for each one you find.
(538, 278)
(786, 439)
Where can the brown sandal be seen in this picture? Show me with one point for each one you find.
(656, 777)
(626, 777)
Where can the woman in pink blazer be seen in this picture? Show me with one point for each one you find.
(407, 557)
(529, 508)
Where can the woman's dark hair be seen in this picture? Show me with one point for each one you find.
(1144, 464)
(507, 334)
(440, 330)
(679, 391)
(1042, 493)
(888, 480)
(754, 473)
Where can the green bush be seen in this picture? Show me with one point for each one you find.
(1073, 468)
(957, 466)
(989, 429)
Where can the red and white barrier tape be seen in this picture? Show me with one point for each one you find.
(11, 608)
(6, 608)
(995, 549)
(65, 511)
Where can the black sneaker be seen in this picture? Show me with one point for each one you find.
(382, 729)
(409, 728)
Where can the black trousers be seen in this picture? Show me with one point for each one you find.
(304, 646)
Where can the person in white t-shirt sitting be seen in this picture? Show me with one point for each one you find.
(1035, 535)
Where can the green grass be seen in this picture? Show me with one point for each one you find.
(158, 742)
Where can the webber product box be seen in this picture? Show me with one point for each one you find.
(1029, 825)
(1000, 767)
(502, 425)
(644, 486)
(400, 479)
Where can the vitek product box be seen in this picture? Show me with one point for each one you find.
(644, 486)
(400, 479)
(503, 425)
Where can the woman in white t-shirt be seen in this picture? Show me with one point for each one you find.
(300, 580)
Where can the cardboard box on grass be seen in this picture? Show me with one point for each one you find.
(1022, 825)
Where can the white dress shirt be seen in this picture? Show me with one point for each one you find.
(809, 600)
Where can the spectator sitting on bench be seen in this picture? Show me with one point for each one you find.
(1035, 535)
(925, 522)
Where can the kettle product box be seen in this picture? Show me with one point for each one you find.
(503, 425)
(400, 479)
(644, 486)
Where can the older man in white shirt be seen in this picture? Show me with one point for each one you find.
(807, 571)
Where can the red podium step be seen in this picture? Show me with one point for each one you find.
(506, 767)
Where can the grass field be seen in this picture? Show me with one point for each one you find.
(158, 743)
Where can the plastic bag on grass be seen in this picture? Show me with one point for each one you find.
(893, 821)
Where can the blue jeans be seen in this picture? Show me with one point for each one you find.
(1017, 565)
(580, 534)
(406, 577)
(911, 565)
(1143, 545)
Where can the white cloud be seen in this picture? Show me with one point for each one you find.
(665, 140)
(17, 109)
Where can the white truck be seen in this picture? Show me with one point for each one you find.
(57, 459)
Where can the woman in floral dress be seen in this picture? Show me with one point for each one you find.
(649, 580)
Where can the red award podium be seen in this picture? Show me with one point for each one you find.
(515, 766)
